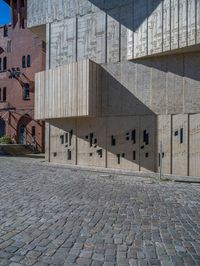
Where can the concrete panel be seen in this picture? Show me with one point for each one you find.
(155, 25)
(63, 42)
(114, 91)
(47, 144)
(63, 141)
(191, 22)
(148, 143)
(159, 86)
(180, 144)
(113, 35)
(198, 21)
(91, 37)
(91, 141)
(183, 8)
(192, 83)
(126, 42)
(166, 25)
(140, 34)
(194, 149)
(164, 137)
(134, 28)
(144, 83)
(175, 84)
(123, 143)
(174, 24)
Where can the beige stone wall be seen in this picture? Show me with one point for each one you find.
(181, 151)
(113, 142)
(119, 142)
(194, 144)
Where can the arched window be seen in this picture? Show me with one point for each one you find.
(4, 94)
(0, 95)
(4, 63)
(0, 64)
(28, 60)
(23, 61)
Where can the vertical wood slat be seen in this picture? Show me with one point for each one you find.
(67, 91)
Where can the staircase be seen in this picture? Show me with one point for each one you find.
(16, 149)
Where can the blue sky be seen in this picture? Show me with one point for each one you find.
(4, 13)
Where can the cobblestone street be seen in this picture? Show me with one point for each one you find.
(51, 215)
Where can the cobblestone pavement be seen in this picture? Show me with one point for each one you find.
(51, 215)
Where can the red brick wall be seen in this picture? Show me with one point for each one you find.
(23, 42)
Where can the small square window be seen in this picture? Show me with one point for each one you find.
(176, 133)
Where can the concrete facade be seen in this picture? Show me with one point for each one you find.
(16, 105)
(145, 88)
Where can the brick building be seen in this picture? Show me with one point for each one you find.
(22, 54)
(122, 76)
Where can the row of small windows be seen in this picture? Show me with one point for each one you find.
(3, 64)
(26, 93)
(3, 94)
(26, 61)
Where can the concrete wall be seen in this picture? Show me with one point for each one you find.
(110, 31)
(155, 93)
(161, 85)
(180, 135)
(118, 142)
(113, 142)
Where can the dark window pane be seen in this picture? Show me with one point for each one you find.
(5, 31)
(28, 60)
(181, 135)
(26, 92)
(4, 63)
(33, 131)
(24, 61)
(4, 94)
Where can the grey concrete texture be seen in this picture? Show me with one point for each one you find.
(51, 215)
(116, 30)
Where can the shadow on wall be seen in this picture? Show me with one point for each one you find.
(124, 127)
(140, 8)
(183, 65)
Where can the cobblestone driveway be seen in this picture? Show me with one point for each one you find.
(57, 216)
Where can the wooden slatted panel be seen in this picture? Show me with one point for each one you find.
(67, 91)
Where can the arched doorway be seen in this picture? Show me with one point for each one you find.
(2, 127)
(23, 129)
(22, 134)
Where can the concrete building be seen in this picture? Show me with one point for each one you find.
(122, 76)
(22, 54)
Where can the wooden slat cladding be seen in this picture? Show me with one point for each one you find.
(67, 91)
